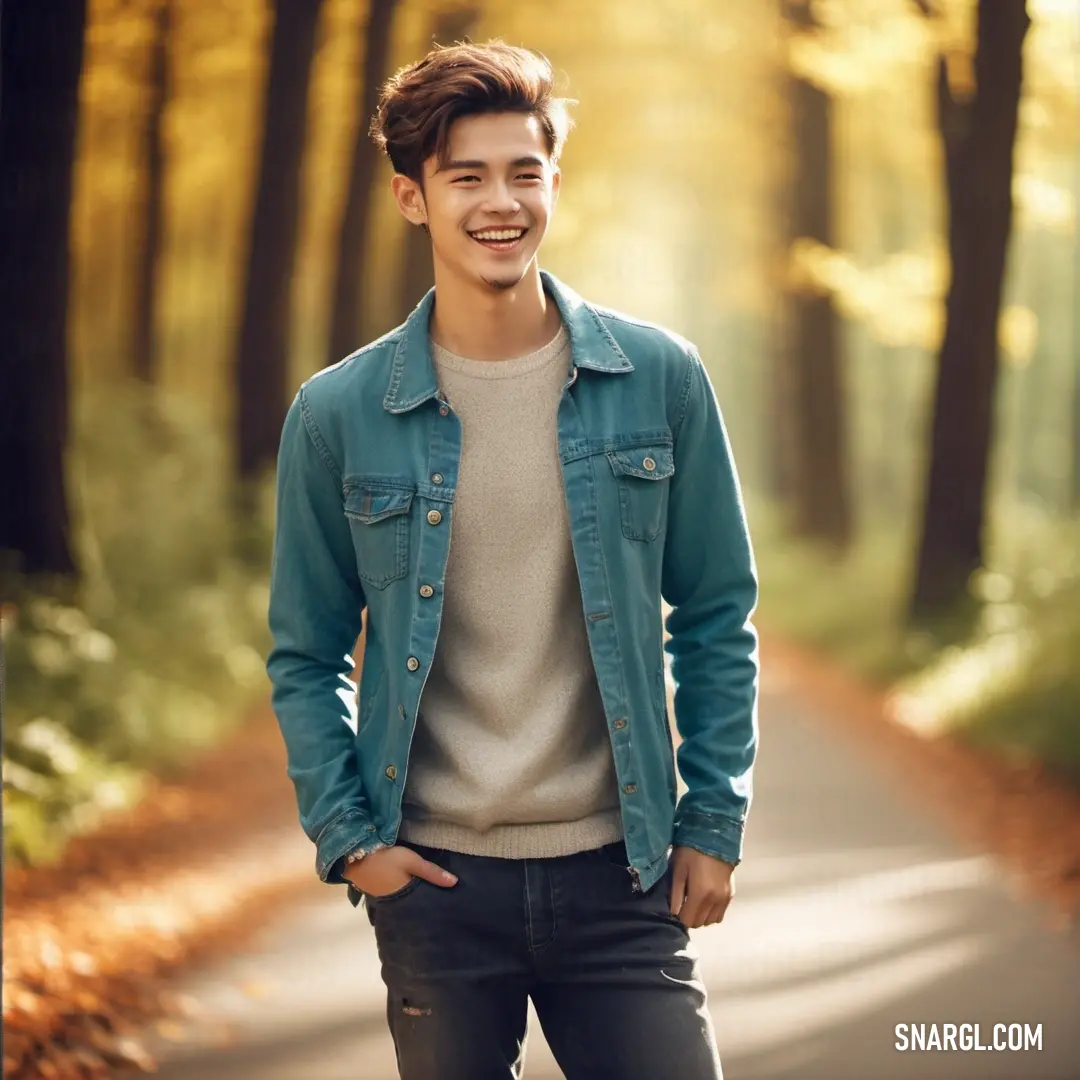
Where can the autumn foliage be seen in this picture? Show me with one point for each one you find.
(89, 945)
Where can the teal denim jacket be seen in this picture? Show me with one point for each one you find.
(367, 471)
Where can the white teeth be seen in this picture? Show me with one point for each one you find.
(499, 234)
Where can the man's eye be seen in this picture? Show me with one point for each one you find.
(461, 179)
(530, 176)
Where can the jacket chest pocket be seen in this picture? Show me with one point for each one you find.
(643, 476)
(379, 519)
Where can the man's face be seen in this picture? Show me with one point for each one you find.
(488, 207)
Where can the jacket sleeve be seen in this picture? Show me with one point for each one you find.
(710, 581)
(316, 608)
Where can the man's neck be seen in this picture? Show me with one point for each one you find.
(490, 324)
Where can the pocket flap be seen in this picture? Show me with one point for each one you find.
(369, 504)
(645, 462)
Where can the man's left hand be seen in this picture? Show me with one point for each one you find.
(701, 887)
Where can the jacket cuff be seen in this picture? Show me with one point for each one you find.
(352, 830)
(720, 837)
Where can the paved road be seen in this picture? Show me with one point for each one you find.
(854, 914)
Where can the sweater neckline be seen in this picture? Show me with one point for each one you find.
(501, 369)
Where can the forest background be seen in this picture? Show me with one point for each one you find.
(863, 212)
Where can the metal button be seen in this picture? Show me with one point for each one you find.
(436, 478)
(443, 410)
(401, 710)
(434, 517)
(648, 464)
(620, 723)
(630, 789)
(426, 591)
(412, 663)
(391, 772)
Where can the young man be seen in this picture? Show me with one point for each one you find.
(509, 483)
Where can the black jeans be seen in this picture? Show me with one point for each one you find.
(611, 972)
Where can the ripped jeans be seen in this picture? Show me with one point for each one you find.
(612, 974)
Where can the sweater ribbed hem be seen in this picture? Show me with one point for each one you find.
(547, 840)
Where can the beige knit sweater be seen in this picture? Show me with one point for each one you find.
(511, 756)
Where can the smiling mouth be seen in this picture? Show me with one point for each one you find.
(499, 239)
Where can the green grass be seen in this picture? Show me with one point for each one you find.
(1011, 685)
(849, 608)
(156, 653)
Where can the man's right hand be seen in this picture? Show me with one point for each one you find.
(390, 869)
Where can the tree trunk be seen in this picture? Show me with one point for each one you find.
(346, 329)
(977, 140)
(41, 54)
(888, 494)
(1074, 492)
(143, 344)
(417, 270)
(818, 451)
(262, 393)
(776, 436)
(778, 451)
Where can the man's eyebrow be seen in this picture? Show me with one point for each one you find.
(529, 159)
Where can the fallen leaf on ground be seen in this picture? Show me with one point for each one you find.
(90, 947)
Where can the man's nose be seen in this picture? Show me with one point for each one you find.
(501, 199)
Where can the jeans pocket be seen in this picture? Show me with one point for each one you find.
(615, 854)
(399, 894)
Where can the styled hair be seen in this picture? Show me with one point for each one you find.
(420, 102)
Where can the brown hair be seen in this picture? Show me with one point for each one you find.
(420, 102)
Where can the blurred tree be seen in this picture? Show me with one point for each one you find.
(813, 400)
(346, 331)
(417, 271)
(978, 133)
(144, 345)
(262, 360)
(778, 434)
(41, 54)
(1074, 490)
(886, 477)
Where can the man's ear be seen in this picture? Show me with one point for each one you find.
(409, 197)
(556, 184)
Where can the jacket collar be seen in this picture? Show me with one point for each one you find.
(412, 376)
